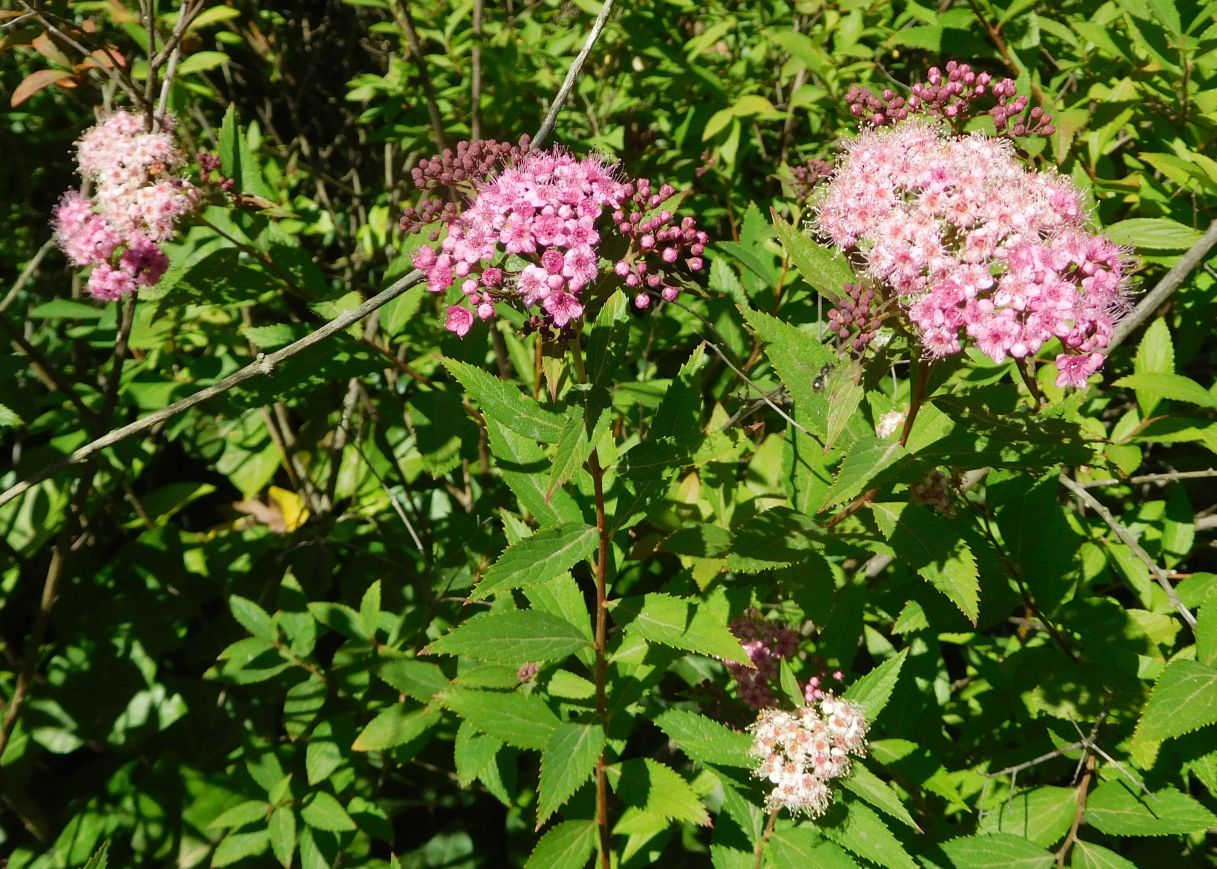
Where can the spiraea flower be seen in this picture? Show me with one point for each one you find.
(537, 230)
(767, 645)
(136, 202)
(801, 752)
(972, 247)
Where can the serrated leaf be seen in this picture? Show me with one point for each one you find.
(1042, 815)
(396, 726)
(864, 461)
(567, 761)
(683, 623)
(241, 814)
(863, 832)
(420, 680)
(1086, 855)
(521, 462)
(878, 793)
(253, 618)
(928, 544)
(1175, 387)
(844, 395)
(8, 417)
(282, 830)
(100, 858)
(568, 845)
(238, 846)
(803, 847)
(505, 403)
(873, 690)
(705, 740)
(472, 752)
(826, 270)
(511, 637)
(1152, 233)
(322, 812)
(1184, 699)
(540, 558)
(521, 720)
(996, 851)
(1116, 809)
(574, 447)
(798, 358)
(649, 786)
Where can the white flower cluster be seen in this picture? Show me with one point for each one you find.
(801, 752)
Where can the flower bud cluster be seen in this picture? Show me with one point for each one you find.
(449, 177)
(815, 688)
(532, 235)
(953, 94)
(767, 645)
(859, 313)
(808, 177)
(801, 752)
(136, 203)
(972, 246)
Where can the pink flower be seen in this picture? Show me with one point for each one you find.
(563, 307)
(460, 320)
(108, 284)
(84, 237)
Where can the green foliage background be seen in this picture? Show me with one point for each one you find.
(234, 671)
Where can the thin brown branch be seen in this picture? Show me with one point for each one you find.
(572, 74)
(1126, 537)
(420, 61)
(263, 365)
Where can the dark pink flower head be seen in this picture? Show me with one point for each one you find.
(967, 244)
(532, 228)
(767, 645)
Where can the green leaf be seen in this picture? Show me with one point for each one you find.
(649, 786)
(253, 618)
(395, 315)
(1089, 856)
(323, 812)
(1043, 815)
(241, 814)
(1116, 809)
(863, 832)
(928, 544)
(100, 857)
(1175, 387)
(568, 845)
(873, 690)
(282, 829)
(1153, 233)
(506, 404)
(522, 463)
(567, 761)
(396, 726)
(543, 556)
(473, 752)
(1184, 699)
(864, 461)
(238, 846)
(878, 793)
(844, 395)
(705, 740)
(683, 623)
(237, 160)
(420, 680)
(798, 358)
(522, 720)
(8, 417)
(511, 637)
(574, 448)
(996, 851)
(201, 61)
(825, 269)
(802, 847)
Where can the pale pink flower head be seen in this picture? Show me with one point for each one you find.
(968, 245)
(85, 238)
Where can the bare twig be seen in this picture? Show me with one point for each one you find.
(416, 49)
(31, 269)
(475, 58)
(263, 365)
(1127, 538)
(1170, 282)
(572, 75)
(1167, 477)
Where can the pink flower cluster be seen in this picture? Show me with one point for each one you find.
(767, 646)
(136, 203)
(973, 246)
(532, 237)
(801, 752)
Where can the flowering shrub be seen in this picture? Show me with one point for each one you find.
(837, 498)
